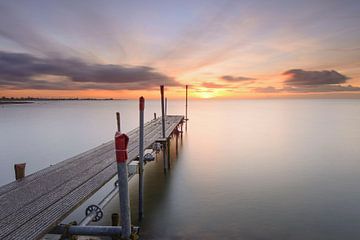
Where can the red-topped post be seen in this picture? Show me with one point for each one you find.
(121, 144)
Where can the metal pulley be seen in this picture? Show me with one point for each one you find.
(94, 208)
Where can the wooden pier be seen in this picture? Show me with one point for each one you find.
(34, 205)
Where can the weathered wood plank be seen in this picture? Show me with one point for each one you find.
(14, 200)
(45, 205)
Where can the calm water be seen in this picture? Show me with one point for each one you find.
(254, 169)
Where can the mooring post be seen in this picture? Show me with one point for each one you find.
(121, 142)
(154, 115)
(19, 170)
(115, 219)
(141, 157)
(114, 223)
(163, 124)
(118, 121)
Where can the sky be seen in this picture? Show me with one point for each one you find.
(222, 49)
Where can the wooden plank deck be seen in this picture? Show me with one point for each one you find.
(31, 207)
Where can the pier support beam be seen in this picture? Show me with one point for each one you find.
(168, 153)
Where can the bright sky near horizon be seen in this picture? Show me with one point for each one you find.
(223, 49)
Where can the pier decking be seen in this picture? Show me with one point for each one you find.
(32, 206)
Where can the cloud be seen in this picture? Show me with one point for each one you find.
(301, 81)
(25, 71)
(213, 85)
(308, 89)
(299, 77)
(268, 89)
(229, 78)
(320, 88)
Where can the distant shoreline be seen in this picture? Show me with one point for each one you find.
(5, 101)
(15, 102)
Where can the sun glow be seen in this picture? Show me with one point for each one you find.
(206, 93)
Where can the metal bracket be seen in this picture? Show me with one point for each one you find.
(94, 208)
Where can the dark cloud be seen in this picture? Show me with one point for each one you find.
(299, 77)
(302, 81)
(229, 78)
(25, 71)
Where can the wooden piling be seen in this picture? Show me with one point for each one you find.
(154, 115)
(19, 170)
(118, 121)
(115, 219)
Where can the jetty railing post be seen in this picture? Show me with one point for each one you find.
(163, 124)
(186, 103)
(118, 121)
(19, 170)
(186, 107)
(121, 142)
(166, 106)
(141, 157)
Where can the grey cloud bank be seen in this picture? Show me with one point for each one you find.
(26, 71)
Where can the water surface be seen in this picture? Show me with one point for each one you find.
(245, 169)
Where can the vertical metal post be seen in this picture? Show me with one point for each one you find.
(186, 104)
(141, 157)
(166, 106)
(121, 142)
(118, 121)
(186, 107)
(162, 110)
(19, 170)
(163, 123)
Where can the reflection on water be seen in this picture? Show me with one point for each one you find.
(254, 169)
